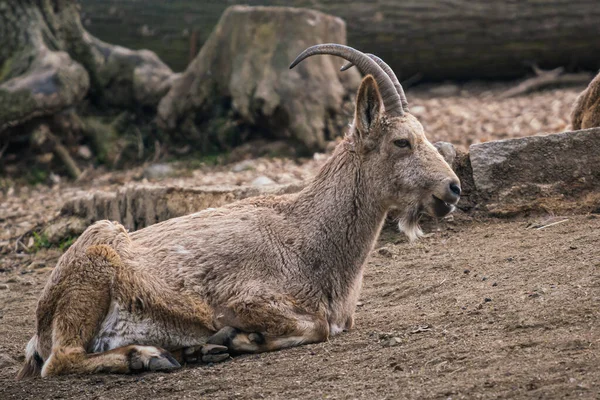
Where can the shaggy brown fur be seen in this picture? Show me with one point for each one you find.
(257, 275)
(586, 111)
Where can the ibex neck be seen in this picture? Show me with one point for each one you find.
(341, 215)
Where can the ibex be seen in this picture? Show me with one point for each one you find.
(258, 275)
(586, 111)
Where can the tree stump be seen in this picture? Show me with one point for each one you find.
(241, 75)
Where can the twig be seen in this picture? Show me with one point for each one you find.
(412, 80)
(156, 151)
(554, 223)
(3, 149)
(42, 134)
(140, 143)
(543, 79)
(65, 157)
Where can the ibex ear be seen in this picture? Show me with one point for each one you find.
(369, 106)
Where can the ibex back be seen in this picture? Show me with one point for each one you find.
(257, 275)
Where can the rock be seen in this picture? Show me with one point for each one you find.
(138, 205)
(244, 166)
(240, 82)
(3, 286)
(395, 341)
(418, 110)
(447, 151)
(6, 361)
(385, 252)
(554, 173)
(462, 167)
(448, 89)
(63, 228)
(263, 181)
(84, 152)
(158, 171)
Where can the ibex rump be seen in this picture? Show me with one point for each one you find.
(258, 275)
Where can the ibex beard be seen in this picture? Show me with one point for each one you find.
(258, 275)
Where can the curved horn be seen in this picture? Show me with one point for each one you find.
(388, 70)
(391, 99)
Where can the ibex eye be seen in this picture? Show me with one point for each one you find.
(402, 143)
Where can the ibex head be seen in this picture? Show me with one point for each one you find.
(402, 166)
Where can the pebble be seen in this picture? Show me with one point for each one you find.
(84, 152)
(263, 181)
(158, 171)
(3, 286)
(395, 341)
(244, 166)
(6, 361)
(385, 252)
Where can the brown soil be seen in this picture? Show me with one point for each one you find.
(478, 309)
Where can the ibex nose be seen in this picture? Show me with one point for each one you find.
(454, 192)
(454, 188)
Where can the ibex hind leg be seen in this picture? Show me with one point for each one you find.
(261, 326)
(78, 303)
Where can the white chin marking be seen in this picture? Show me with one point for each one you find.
(410, 228)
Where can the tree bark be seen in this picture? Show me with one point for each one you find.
(450, 39)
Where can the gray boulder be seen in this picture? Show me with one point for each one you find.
(558, 172)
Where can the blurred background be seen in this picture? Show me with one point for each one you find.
(103, 92)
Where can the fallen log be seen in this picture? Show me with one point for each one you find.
(457, 39)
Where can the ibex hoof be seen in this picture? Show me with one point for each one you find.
(237, 341)
(209, 353)
(224, 336)
(149, 358)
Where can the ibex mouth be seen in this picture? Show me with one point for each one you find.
(441, 208)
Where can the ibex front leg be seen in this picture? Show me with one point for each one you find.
(263, 324)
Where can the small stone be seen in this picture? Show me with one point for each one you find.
(466, 271)
(573, 247)
(395, 341)
(447, 151)
(385, 252)
(3, 286)
(246, 165)
(158, 171)
(84, 152)
(6, 361)
(487, 300)
(495, 284)
(262, 181)
(484, 278)
(320, 157)
(448, 89)
(417, 110)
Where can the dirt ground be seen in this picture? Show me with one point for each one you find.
(478, 309)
